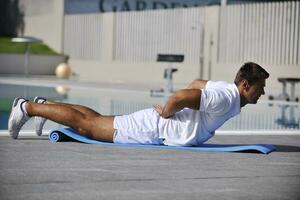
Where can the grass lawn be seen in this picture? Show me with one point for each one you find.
(7, 46)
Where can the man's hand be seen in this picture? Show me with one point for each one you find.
(189, 98)
(160, 111)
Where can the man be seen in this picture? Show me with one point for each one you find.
(189, 117)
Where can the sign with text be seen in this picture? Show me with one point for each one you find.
(92, 6)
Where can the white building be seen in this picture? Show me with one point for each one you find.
(215, 39)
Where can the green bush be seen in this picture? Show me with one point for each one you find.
(7, 46)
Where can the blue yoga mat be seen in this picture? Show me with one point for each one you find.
(68, 134)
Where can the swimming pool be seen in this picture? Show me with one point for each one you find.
(265, 116)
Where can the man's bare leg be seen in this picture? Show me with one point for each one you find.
(83, 109)
(88, 122)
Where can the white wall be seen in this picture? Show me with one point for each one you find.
(265, 33)
(127, 47)
(148, 74)
(121, 46)
(38, 64)
(44, 19)
(262, 32)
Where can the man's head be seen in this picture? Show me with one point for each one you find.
(251, 80)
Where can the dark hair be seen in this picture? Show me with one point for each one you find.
(251, 72)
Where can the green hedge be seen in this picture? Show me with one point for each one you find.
(7, 46)
(5, 104)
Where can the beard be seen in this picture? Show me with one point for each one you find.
(254, 100)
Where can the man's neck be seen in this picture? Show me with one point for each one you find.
(243, 101)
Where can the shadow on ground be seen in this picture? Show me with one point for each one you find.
(287, 148)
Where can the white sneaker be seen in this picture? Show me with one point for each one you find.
(39, 121)
(17, 117)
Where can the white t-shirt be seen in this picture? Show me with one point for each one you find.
(219, 102)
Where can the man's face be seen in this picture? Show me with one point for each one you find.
(254, 91)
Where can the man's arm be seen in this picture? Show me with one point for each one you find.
(187, 98)
(197, 84)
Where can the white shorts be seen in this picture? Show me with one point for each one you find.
(140, 127)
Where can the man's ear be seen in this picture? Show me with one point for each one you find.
(245, 84)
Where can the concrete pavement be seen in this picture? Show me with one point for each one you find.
(34, 168)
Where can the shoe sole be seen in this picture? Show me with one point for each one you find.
(35, 100)
(11, 115)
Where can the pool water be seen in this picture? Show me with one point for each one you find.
(265, 115)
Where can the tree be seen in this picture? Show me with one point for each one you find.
(11, 18)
